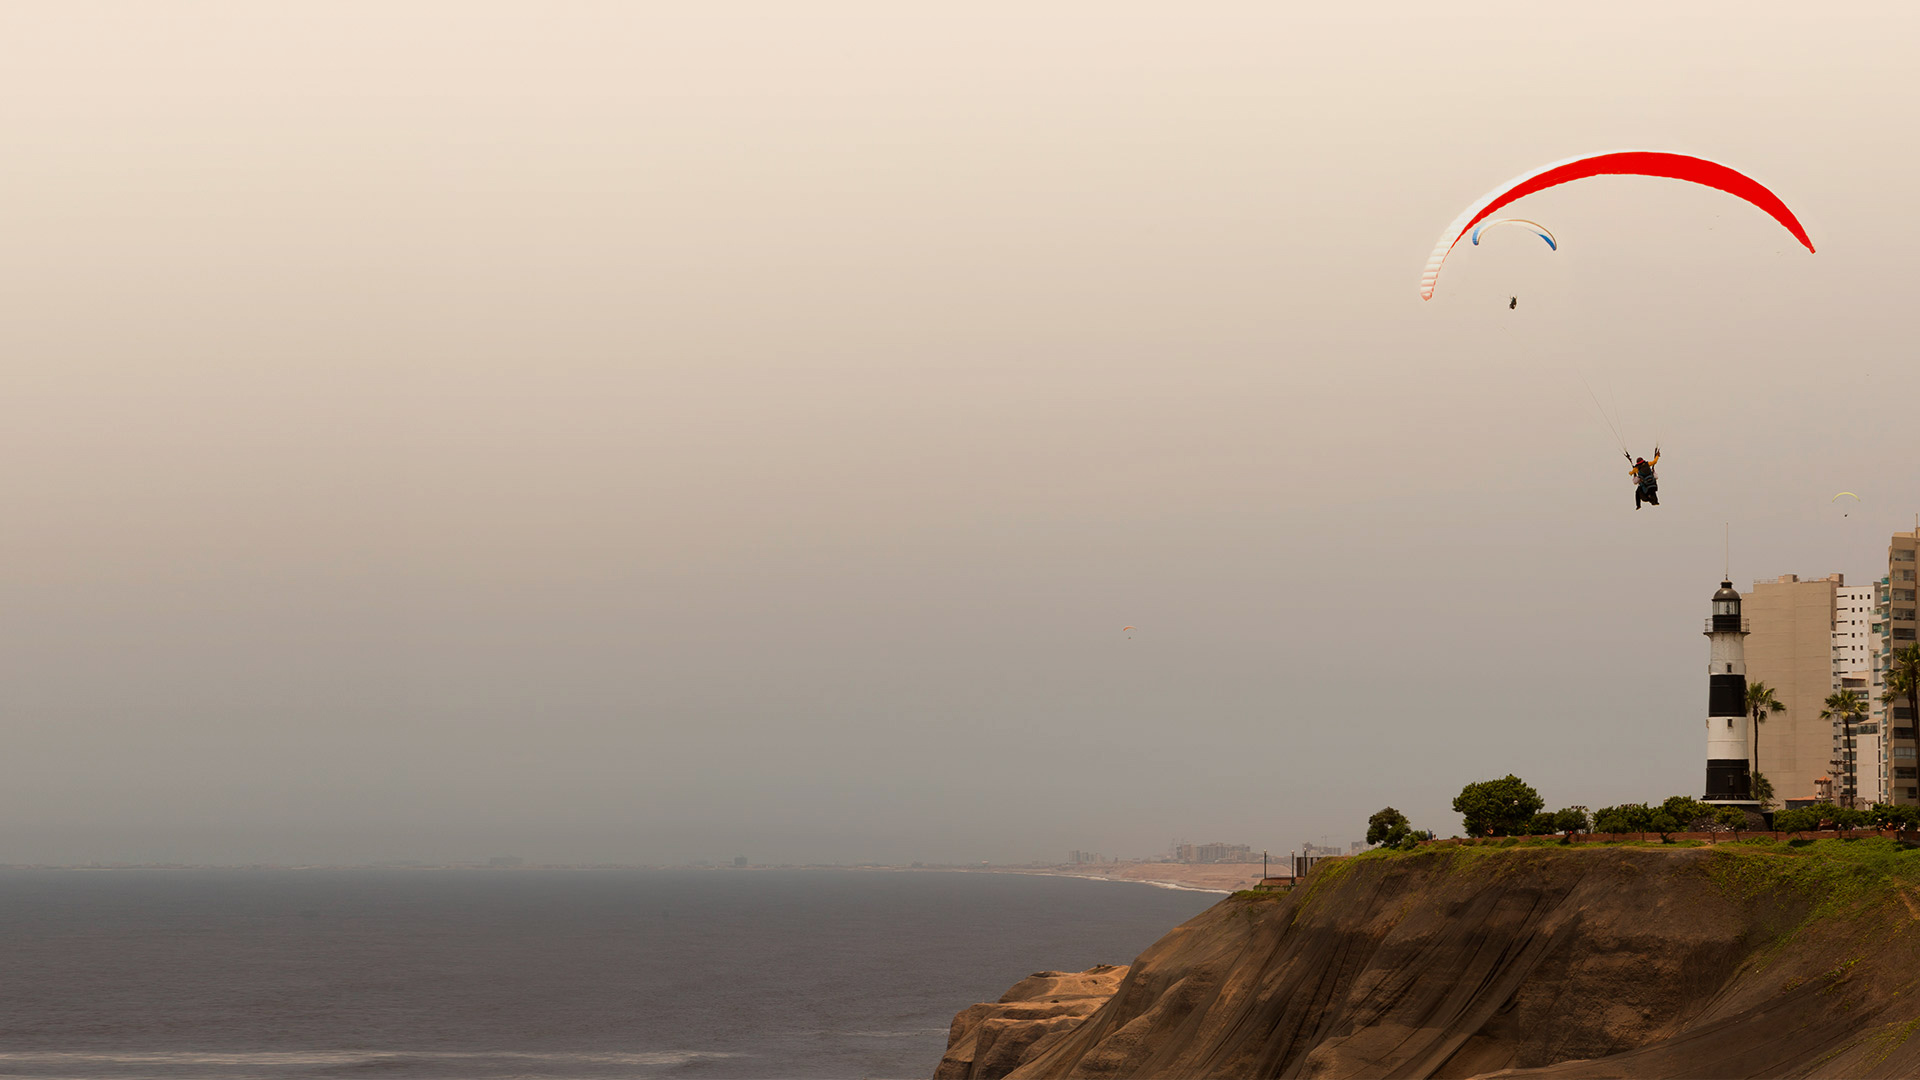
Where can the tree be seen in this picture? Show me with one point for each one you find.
(1846, 707)
(1389, 827)
(1804, 819)
(1571, 820)
(1730, 819)
(1890, 816)
(1819, 816)
(1625, 818)
(1688, 812)
(1763, 791)
(1760, 702)
(1503, 807)
(1666, 824)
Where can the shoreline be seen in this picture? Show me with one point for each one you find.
(1220, 879)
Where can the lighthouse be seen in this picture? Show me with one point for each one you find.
(1729, 781)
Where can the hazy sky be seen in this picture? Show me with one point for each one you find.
(652, 431)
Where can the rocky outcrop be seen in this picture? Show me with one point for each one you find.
(1731, 961)
(987, 1041)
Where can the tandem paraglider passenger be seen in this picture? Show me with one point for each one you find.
(1646, 484)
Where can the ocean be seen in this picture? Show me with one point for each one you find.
(570, 975)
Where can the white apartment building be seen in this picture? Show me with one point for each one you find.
(1855, 656)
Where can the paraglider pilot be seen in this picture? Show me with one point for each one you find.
(1646, 484)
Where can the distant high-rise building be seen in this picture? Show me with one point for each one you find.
(1212, 853)
(1792, 649)
(1856, 752)
(1854, 648)
(1897, 632)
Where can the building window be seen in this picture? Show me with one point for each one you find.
(1906, 772)
(1903, 753)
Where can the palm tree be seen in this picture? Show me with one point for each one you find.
(1760, 702)
(1903, 681)
(1846, 707)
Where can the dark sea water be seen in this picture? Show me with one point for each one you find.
(563, 974)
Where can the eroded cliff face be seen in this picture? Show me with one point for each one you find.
(1519, 962)
(988, 1041)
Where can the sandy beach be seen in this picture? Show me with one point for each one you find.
(1205, 877)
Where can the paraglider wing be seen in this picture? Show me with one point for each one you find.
(1849, 494)
(1621, 163)
(1128, 628)
(1534, 227)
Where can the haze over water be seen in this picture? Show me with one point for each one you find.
(650, 432)
(208, 974)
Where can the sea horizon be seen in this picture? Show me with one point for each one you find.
(471, 972)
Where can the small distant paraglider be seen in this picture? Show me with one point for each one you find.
(1124, 630)
(1849, 495)
(1535, 227)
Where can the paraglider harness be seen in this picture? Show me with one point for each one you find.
(1647, 485)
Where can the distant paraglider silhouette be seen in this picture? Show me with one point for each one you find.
(1849, 495)
(1538, 230)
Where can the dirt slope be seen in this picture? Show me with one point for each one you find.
(1529, 961)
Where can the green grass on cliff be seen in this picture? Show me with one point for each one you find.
(1831, 875)
(1835, 874)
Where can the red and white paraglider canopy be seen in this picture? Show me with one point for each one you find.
(1618, 163)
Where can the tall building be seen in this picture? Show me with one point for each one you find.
(1853, 638)
(1857, 767)
(1856, 751)
(1791, 649)
(1877, 684)
(1897, 632)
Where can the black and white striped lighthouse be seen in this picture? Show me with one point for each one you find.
(1729, 779)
